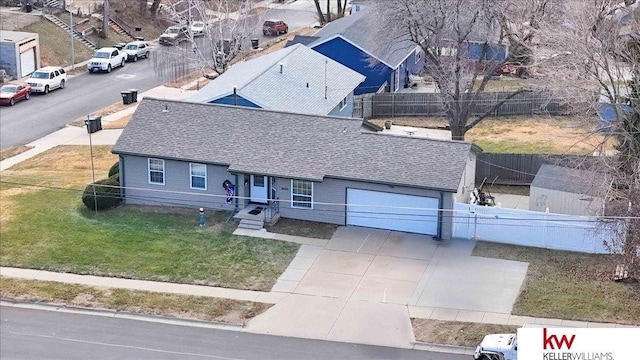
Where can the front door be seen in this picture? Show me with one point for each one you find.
(259, 189)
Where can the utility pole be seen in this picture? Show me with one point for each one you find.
(73, 53)
(105, 18)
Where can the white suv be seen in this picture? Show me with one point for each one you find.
(47, 78)
(106, 59)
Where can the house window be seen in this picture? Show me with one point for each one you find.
(418, 55)
(156, 171)
(301, 194)
(198, 176)
(343, 103)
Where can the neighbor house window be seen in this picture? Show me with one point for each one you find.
(156, 171)
(343, 103)
(301, 194)
(198, 176)
(418, 55)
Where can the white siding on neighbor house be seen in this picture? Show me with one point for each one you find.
(467, 183)
(529, 228)
(347, 111)
(176, 190)
(562, 202)
(330, 197)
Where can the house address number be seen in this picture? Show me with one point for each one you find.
(284, 188)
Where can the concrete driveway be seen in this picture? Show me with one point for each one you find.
(358, 286)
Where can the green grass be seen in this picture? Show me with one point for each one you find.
(568, 285)
(455, 332)
(522, 147)
(52, 230)
(144, 302)
(303, 228)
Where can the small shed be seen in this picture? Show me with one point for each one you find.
(569, 191)
(19, 53)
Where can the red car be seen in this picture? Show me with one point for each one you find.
(12, 93)
(274, 27)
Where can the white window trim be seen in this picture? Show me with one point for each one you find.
(345, 100)
(149, 172)
(302, 207)
(191, 177)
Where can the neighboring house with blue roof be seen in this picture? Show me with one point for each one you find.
(350, 41)
(295, 79)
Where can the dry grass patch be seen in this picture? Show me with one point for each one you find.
(111, 109)
(55, 46)
(455, 332)
(303, 228)
(13, 151)
(143, 302)
(569, 285)
(118, 124)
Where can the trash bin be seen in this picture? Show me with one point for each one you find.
(28, 8)
(134, 95)
(127, 97)
(255, 43)
(94, 123)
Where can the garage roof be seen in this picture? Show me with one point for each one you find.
(15, 36)
(290, 145)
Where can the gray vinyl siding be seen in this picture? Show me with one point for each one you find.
(347, 111)
(468, 180)
(176, 190)
(334, 191)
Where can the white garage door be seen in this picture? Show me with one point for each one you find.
(27, 62)
(389, 211)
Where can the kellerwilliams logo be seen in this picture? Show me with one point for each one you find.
(577, 344)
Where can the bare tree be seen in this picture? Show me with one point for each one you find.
(319, 11)
(154, 7)
(448, 32)
(105, 19)
(230, 24)
(597, 52)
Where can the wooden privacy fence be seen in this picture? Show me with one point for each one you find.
(430, 104)
(519, 169)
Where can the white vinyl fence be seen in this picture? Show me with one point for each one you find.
(529, 228)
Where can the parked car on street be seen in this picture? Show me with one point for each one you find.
(174, 35)
(136, 50)
(12, 93)
(107, 59)
(199, 28)
(497, 347)
(47, 78)
(275, 27)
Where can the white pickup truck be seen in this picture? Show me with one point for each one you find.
(106, 59)
(497, 347)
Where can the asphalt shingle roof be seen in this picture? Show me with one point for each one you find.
(360, 28)
(300, 87)
(289, 145)
(576, 181)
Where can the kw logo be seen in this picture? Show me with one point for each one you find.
(549, 341)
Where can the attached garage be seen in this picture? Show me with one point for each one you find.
(399, 212)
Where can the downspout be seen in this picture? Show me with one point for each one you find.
(235, 97)
(122, 184)
(440, 208)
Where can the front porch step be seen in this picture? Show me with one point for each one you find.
(251, 224)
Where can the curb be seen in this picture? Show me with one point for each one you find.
(36, 305)
(451, 349)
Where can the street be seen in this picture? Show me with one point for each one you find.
(86, 93)
(41, 334)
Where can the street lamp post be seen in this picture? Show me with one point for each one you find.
(73, 54)
(93, 174)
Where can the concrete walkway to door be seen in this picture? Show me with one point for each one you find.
(364, 285)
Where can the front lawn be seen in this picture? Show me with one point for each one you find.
(569, 285)
(303, 228)
(47, 227)
(456, 333)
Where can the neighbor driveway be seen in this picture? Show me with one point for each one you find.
(360, 284)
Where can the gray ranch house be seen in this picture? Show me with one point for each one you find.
(264, 164)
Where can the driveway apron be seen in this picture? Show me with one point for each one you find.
(357, 287)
